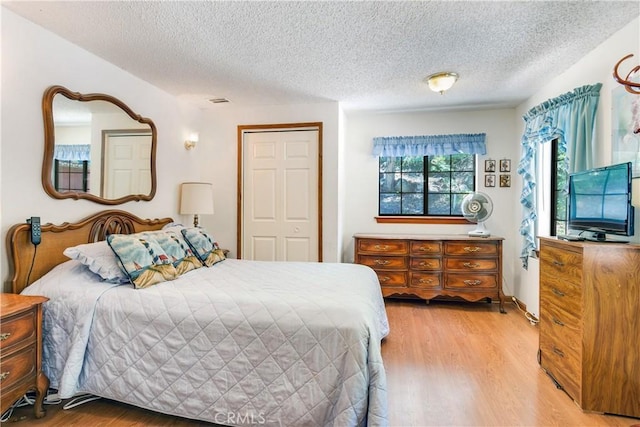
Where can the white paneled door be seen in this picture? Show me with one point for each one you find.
(127, 164)
(280, 189)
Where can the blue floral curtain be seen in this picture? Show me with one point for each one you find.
(75, 152)
(571, 119)
(429, 145)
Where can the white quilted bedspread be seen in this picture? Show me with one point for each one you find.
(240, 343)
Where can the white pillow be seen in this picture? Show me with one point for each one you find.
(100, 259)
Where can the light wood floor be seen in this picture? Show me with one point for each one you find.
(448, 364)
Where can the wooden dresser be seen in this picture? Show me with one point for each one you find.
(21, 350)
(590, 323)
(429, 266)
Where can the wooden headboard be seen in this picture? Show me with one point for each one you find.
(56, 238)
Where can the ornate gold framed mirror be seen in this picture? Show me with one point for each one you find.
(96, 148)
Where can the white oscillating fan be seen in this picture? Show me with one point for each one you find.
(477, 207)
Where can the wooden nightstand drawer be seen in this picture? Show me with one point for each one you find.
(468, 282)
(425, 247)
(429, 264)
(18, 329)
(384, 262)
(471, 248)
(18, 367)
(426, 280)
(462, 264)
(21, 350)
(388, 247)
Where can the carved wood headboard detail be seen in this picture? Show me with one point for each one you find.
(56, 238)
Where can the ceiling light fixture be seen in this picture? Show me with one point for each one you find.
(442, 81)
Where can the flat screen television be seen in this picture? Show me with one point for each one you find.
(600, 202)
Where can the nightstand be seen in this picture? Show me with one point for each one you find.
(21, 350)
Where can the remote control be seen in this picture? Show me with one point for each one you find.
(36, 231)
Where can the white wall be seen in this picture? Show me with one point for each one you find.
(34, 59)
(596, 67)
(217, 152)
(361, 172)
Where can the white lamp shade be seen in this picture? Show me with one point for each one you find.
(196, 198)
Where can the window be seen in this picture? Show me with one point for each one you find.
(559, 190)
(71, 175)
(402, 189)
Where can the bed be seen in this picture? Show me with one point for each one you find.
(238, 343)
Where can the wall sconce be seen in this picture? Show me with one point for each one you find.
(441, 82)
(196, 198)
(192, 141)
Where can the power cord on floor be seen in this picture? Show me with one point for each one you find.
(51, 398)
(530, 317)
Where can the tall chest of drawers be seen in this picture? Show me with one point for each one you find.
(21, 350)
(590, 323)
(429, 266)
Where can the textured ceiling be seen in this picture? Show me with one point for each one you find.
(367, 55)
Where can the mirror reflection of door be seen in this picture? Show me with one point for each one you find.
(127, 162)
(74, 165)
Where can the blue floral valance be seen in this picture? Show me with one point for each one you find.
(75, 152)
(429, 145)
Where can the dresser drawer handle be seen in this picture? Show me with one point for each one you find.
(471, 265)
(558, 352)
(425, 249)
(427, 281)
(426, 264)
(384, 279)
(4, 375)
(558, 322)
(4, 336)
(382, 262)
(557, 292)
(472, 282)
(558, 263)
(381, 247)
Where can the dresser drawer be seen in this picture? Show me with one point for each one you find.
(471, 248)
(462, 264)
(563, 366)
(392, 278)
(383, 246)
(384, 262)
(426, 280)
(561, 265)
(425, 264)
(562, 329)
(471, 281)
(18, 329)
(423, 247)
(555, 291)
(18, 366)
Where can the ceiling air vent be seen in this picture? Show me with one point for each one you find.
(218, 100)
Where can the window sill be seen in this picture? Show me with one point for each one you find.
(420, 220)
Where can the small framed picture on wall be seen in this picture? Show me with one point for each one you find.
(505, 165)
(505, 180)
(490, 180)
(489, 165)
